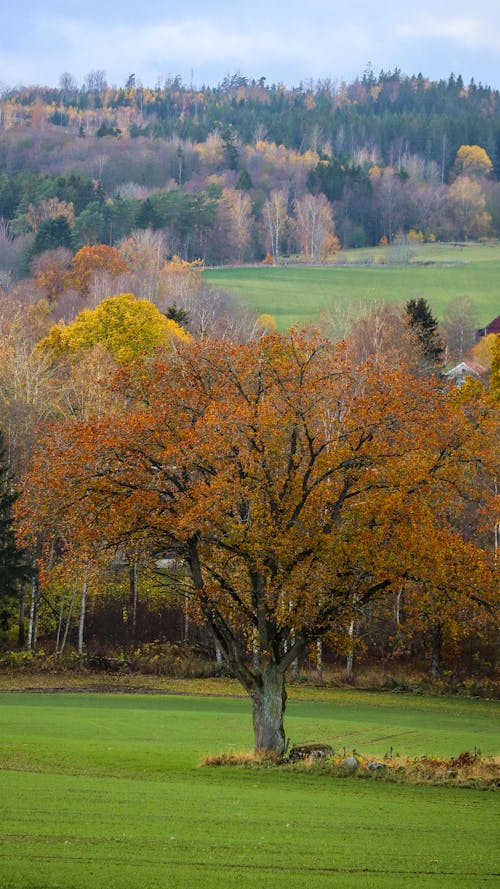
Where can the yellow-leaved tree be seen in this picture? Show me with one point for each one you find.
(483, 350)
(126, 326)
(472, 160)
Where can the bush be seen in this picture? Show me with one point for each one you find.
(172, 659)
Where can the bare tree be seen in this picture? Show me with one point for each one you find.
(313, 223)
(276, 219)
(459, 327)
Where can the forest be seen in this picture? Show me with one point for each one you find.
(182, 488)
(245, 170)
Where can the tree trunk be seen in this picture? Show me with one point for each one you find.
(350, 657)
(31, 640)
(436, 642)
(21, 634)
(132, 576)
(255, 651)
(68, 621)
(397, 608)
(83, 608)
(59, 625)
(268, 701)
(35, 622)
(186, 618)
(319, 660)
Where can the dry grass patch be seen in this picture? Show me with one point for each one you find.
(246, 759)
(468, 770)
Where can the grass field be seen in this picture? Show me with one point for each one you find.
(105, 790)
(438, 272)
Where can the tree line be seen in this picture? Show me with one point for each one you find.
(382, 156)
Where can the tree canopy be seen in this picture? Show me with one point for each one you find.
(126, 326)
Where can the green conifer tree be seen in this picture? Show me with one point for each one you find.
(14, 566)
(421, 319)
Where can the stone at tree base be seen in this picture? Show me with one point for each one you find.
(378, 768)
(349, 765)
(310, 751)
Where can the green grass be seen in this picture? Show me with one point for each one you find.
(295, 295)
(106, 790)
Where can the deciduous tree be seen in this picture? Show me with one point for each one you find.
(313, 225)
(275, 219)
(482, 351)
(467, 209)
(127, 327)
(459, 327)
(90, 260)
(472, 160)
(295, 488)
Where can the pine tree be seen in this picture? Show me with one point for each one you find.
(179, 315)
(13, 563)
(421, 319)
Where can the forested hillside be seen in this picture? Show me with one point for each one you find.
(246, 170)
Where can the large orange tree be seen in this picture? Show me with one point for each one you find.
(294, 487)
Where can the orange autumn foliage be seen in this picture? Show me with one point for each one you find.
(294, 485)
(91, 259)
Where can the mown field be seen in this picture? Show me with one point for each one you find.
(107, 790)
(295, 295)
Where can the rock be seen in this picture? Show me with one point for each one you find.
(378, 768)
(349, 765)
(310, 751)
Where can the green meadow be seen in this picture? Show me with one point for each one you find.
(106, 790)
(295, 294)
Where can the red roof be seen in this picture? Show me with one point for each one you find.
(492, 327)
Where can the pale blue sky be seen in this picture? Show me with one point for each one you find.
(283, 41)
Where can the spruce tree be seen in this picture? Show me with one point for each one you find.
(425, 326)
(13, 563)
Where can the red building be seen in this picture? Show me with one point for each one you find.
(492, 327)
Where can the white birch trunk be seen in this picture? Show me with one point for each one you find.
(83, 608)
(68, 621)
(350, 656)
(30, 640)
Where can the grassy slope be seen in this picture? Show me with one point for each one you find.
(106, 790)
(297, 294)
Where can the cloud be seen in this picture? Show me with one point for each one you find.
(469, 31)
(174, 47)
(283, 42)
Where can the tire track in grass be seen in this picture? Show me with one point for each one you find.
(264, 868)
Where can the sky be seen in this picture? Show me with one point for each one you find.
(286, 42)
